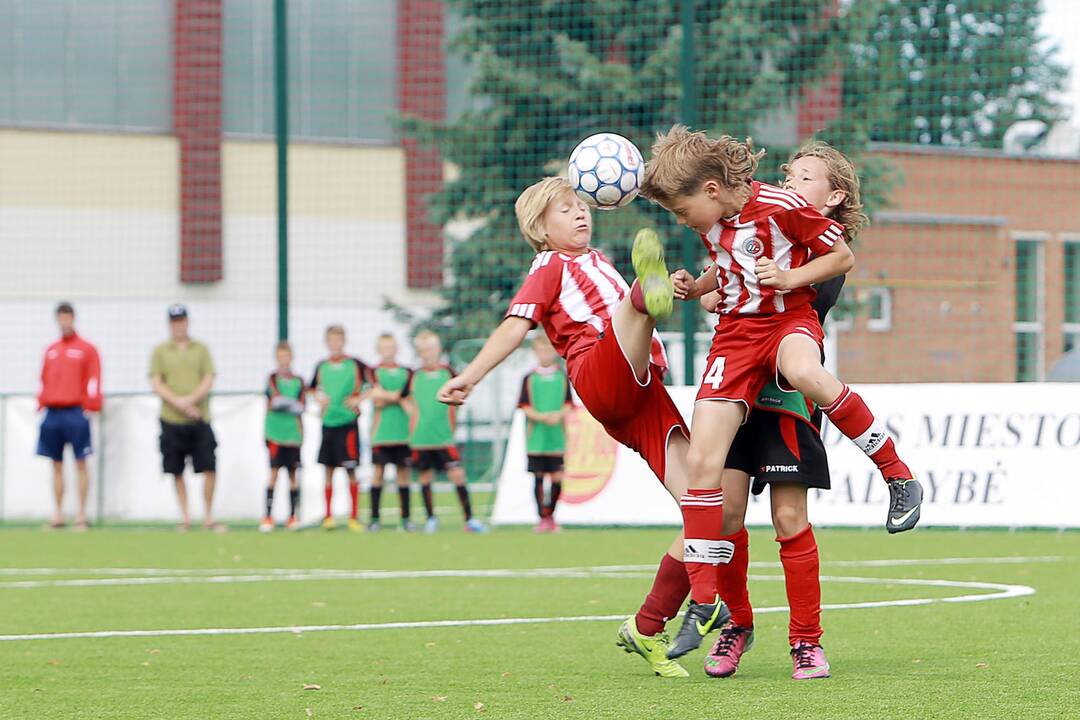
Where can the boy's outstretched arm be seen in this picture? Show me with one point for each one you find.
(506, 338)
(838, 261)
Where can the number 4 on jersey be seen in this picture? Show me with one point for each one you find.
(715, 375)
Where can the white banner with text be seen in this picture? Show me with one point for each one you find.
(998, 455)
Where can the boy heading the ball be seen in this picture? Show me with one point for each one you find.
(768, 246)
(606, 332)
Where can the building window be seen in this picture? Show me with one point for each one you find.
(342, 68)
(1072, 292)
(95, 64)
(879, 309)
(1029, 293)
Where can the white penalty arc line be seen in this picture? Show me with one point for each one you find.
(1000, 591)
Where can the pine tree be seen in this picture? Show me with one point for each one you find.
(957, 72)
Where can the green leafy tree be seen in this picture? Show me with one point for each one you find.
(955, 72)
(547, 74)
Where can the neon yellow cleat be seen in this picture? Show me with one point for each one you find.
(652, 273)
(328, 523)
(356, 526)
(654, 649)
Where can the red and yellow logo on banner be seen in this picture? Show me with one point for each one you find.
(590, 458)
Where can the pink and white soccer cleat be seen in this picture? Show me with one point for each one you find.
(723, 660)
(809, 662)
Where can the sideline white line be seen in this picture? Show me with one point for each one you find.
(188, 572)
(1002, 591)
(203, 576)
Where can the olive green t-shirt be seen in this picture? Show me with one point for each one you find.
(182, 371)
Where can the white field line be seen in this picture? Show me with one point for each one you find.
(999, 592)
(148, 575)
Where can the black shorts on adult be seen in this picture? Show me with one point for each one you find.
(437, 459)
(340, 446)
(179, 442)
(776, 447)
(396, 455)
(283, 456)
(543, 464)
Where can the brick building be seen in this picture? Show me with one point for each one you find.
(971, 274)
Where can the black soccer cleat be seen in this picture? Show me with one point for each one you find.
(905, 503)
(700, 620)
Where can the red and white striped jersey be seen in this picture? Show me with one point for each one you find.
(572, 297)
(777, 224)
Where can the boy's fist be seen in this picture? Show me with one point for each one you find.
(684, 284)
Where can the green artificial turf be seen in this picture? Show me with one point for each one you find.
(1012, 658)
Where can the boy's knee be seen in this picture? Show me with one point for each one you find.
(788, 520)
(705, 468)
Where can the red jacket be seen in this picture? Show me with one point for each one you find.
(71, 375)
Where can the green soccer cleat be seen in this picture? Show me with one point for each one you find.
(654, 649)
(652, 274)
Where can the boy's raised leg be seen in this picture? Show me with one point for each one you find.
(651, 299)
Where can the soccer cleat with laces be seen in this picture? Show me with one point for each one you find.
(328, 523)
(809, 663)
(653, 648)
(647, 257)
(475, 526)
(267, 525)
(431, 526)
(723, 660)
(292, 523)
(355, 526)
(374, 526)
(700, 619)
(905, 503)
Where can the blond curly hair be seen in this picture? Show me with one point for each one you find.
(842, 176)
(683, 159)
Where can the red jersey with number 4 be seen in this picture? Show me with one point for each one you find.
(572, 297)
(777, 224)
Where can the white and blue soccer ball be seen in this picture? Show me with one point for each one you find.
(606, 171)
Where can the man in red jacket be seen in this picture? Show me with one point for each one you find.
(70, 388)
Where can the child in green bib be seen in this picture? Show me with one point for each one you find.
(284, 432)
(432, 438)
(390, 429)
(545, 399)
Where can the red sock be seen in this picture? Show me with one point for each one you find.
(670, 588)
(849, 413)
(329, 492)
(799, 556)
(731, 578)
(637, 298)
(354, 496)
(703, 550)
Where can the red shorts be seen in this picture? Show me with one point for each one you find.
(742, 358)
(641, 417)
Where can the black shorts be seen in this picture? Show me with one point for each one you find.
(396, 455)
(179, 442)
(776, 447)
(283, 456)
(437, 459)
(340, 446)
(544, 464)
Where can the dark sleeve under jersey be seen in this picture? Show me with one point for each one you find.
(828, 293)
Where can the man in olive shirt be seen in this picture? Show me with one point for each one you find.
(182, 373)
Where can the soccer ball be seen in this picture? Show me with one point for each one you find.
(606, 171)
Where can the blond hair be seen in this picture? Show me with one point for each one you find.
(682, 160)
(424, 337)
(531, 205)
(335, 330)
(842, 176)
(283, 345)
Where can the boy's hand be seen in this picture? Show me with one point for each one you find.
(684, 283)
(709, 301)
(772, 276)
(353, 402)
(455, 391)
